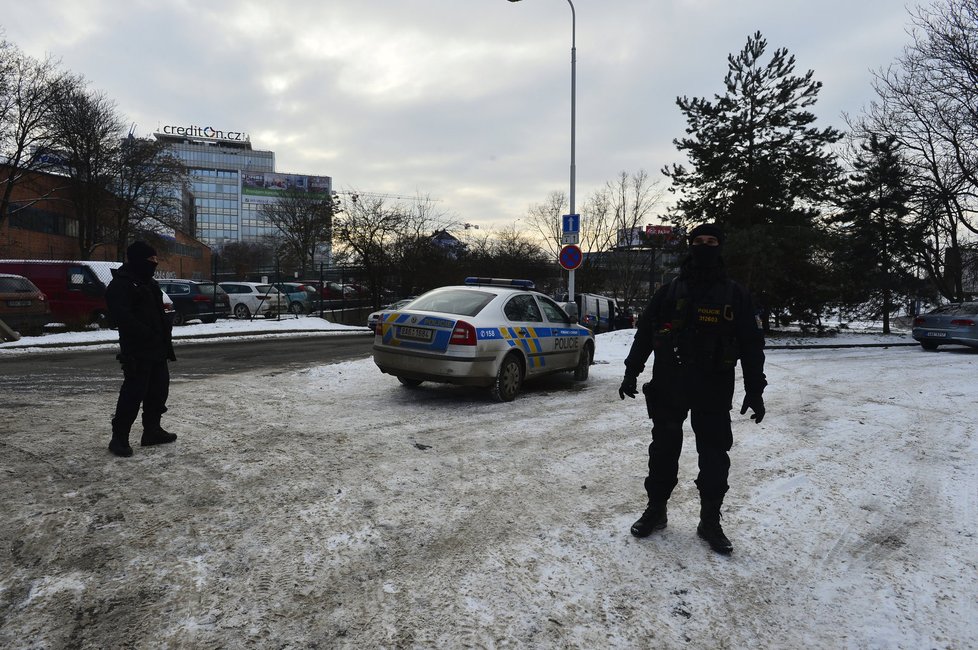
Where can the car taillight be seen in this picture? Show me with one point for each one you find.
(920, 320)
(964, 322)
(463, 334)
(201, 298)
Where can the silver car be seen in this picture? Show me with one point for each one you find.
(954, 323)
(492, 333)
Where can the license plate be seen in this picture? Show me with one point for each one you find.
(414, 333)
(937, 334)
(18, 303)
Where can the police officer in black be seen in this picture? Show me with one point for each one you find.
(697, 326)
(135, 304)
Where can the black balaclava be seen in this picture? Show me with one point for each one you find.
(138, 255)
(705, 257)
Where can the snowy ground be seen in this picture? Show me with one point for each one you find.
(376, 516)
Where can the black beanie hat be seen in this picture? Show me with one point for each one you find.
(139, 250)
(710, 229)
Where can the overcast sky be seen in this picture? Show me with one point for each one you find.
(467, 101)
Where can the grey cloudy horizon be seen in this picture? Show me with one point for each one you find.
(465, 101)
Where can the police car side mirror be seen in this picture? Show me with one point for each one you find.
(571, 309)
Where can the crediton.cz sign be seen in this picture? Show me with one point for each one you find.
(205, 132)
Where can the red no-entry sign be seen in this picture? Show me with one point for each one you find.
(571, 257)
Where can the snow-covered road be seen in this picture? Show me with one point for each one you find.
(334, 508)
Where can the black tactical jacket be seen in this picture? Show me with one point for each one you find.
(136, 308)
(698, 331)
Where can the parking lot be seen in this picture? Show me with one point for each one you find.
(330, 507)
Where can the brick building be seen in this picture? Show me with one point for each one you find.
(46, 228)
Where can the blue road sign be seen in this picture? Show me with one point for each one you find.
(572, 223)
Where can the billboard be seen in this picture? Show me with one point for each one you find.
(629, 237)
(258, 187)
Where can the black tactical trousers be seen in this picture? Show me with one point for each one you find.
(144, 382)
(713, 440)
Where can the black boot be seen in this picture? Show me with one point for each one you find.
(119, 445)
(156, 436)
(709, 527)
(654, 518)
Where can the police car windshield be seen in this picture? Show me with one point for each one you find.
(462, 302)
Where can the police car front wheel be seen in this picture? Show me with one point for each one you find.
(583, 367)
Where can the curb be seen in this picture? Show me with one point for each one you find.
(190, 337)
(825, 346)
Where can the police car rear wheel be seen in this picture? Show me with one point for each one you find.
(409, 383)
(509, 379)
(583, 368)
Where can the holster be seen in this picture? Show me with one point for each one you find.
(127, 361)
(647, 391)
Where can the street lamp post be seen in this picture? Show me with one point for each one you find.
(573, 138)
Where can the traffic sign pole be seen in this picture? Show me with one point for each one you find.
(571, 235)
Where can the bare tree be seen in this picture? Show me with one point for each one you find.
(149, 187)
(87, 132)
(610, 219)
(928, 101)
(422, 261)
(241, 259)
(620, 212)
(305, 221)
(545, 220)
(27, 97)
(365, 233)
(511, 253)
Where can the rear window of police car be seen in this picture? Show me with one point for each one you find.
(462, 302)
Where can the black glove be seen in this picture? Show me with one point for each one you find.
(755, 403)
(629, 386)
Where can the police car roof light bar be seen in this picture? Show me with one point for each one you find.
(501, 282)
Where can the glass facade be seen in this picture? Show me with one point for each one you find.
(216, 172)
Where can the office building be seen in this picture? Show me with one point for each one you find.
(231, 181)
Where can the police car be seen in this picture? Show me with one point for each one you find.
(489, 332)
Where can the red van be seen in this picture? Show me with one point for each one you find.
(75, 288)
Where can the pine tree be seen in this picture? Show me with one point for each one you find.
(878, 245)
(761, 169)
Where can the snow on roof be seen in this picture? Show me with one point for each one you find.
(102, 270)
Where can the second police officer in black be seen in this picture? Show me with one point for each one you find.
(697, 326)
(135, 304)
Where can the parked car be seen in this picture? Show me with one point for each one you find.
(626, 318)
(249, 298)
(303, 298)
(956, 323)
(168, 308)
(329, 290)
(492, 333)
(373, 317)
(597, 313)
(354, 290)
(23, 307)
(196, 300)
(75, 289)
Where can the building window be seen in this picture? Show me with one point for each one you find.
(39, 220)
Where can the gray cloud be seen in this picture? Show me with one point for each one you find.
(465, 100)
